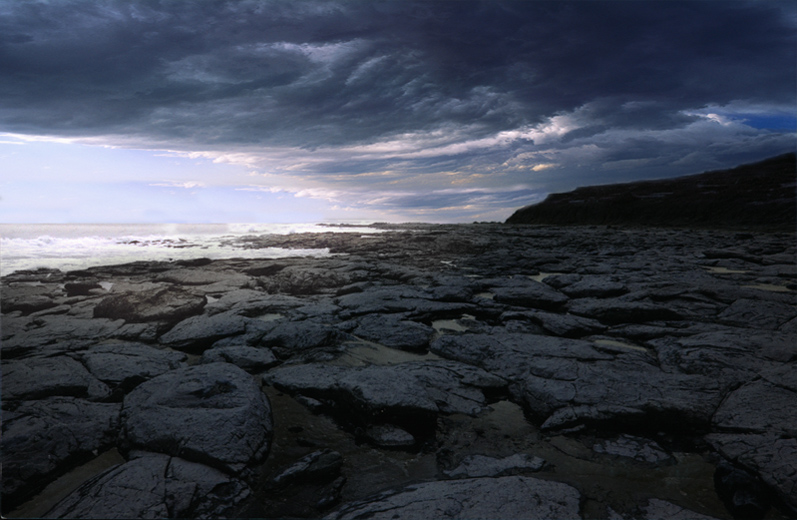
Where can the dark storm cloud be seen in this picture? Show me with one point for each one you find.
(431, 105)
(324, 73)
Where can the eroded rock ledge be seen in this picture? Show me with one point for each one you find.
(457, 371)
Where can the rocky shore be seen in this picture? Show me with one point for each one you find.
(428, 371)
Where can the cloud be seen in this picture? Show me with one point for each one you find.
(351, 96)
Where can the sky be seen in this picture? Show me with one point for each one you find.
(368, 110)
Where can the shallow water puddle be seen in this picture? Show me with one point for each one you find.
(362, 353)
(268, 317)
(450, 325)
(39, 505)
(768, 287)
(724, 270)
(542, 276)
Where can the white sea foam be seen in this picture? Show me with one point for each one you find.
(68, 247)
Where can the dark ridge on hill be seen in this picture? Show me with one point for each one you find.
(752, 196)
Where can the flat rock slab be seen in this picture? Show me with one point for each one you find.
(568, 382)
(637, 448)
(126, 364)
(394, 332)
(251, 359)
(37, 378)
(513, 497)
(168, 304)
(412, 392)
(771, 456)
(153, 485)
(41, 438)
(758, 314)
(199, 332)
(529, 294)
(215, 414)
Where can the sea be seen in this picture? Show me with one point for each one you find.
(78, 246)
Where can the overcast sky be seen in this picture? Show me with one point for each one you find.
(275, 111)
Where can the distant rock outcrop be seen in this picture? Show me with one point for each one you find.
(759, 195)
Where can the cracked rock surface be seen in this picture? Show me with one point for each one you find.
(459, 371)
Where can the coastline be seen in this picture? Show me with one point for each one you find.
(423, 347)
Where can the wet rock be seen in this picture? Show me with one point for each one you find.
(409, 395)
(84, 288)
(502, 497)
(637, 448)
(595, 286)
(529, 294)
(391, 331)
(758, 407)
(251, 359)
(772, 457)
(741, 492)
(197, 333)
(483, 466)
(389, 436)
(153, 485)
(157, 304)
(28, 298)
(614, 311)
(569, 382)
(49, 335)
(757, 314)
(126, 364)
(564, 325)
(204, 277)
(298, 338)
(37, 378)
(43, 438)
(662, 510)
(215, 414)
(322, 465)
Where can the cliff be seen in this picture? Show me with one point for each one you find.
(753, 196)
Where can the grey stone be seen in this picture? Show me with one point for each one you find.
(414, 391)
(156, 304)
(154, 486)
(513, 497)
(637, 448)
(389, 436)
(567, 382)
(28, 298)
(215, 414)
(529, 294)
(322, 465)
(757, 314)
(37, 378)
(392, 331)
(595, 286)
(195, 276)
(662, 510)
(758, 407)
(615, 311)
(771, 456)
(298, 338)
(483, 466)
(127, 364)
(564, 325)
(251, 359)
(42, 438)
(197, 333)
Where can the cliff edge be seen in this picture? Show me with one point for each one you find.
(752, 196)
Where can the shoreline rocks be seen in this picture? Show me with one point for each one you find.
(623, 368)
